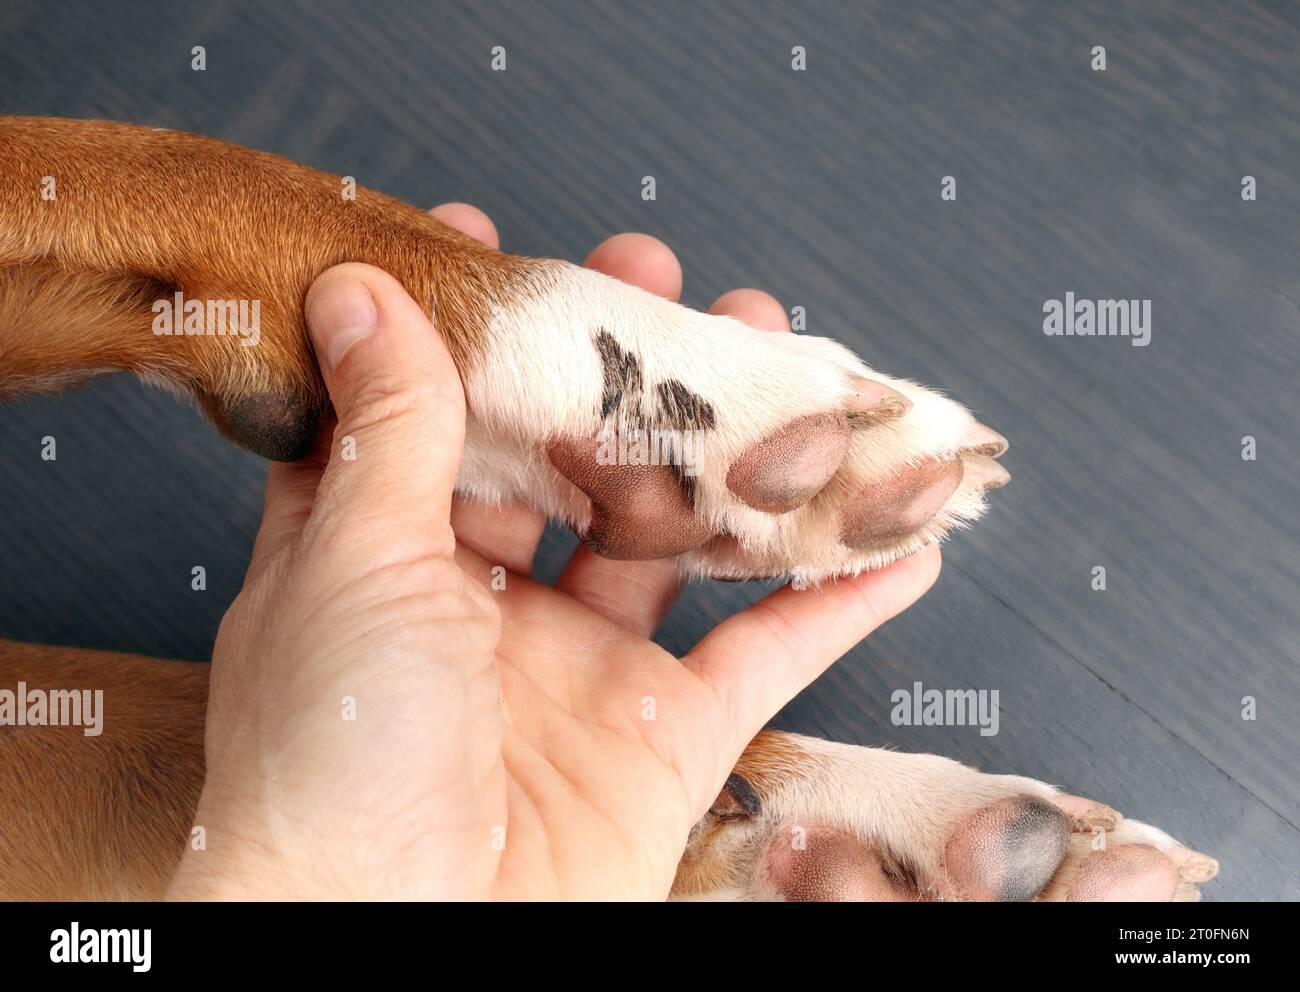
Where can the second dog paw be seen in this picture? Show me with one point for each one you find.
(807, 820)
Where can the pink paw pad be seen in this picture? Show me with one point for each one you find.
(896, 506)
(1125, 873)
(791, 465)
(820, 864)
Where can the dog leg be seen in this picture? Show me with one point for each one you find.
(652, 429)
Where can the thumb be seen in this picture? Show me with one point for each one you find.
(399, 403)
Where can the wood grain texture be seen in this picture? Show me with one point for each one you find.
(823, 187)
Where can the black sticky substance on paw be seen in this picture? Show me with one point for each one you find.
(622, 373)
(737, 798)
(684, 410)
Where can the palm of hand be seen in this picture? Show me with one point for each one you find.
(610, 748)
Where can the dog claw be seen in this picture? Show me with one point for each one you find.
(986, 472)
(1186, 892)
(1198, 868)
(1097, 816)
(986, 441)
(875, 401)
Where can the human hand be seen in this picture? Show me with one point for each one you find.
(382, 724)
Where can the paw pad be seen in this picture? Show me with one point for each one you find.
(896, 506)
(792, 465)
(1127, 873)
(1007, 851)
(638, 511)
(831, 866)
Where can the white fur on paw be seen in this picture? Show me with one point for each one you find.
(833, 821)
(579, 355)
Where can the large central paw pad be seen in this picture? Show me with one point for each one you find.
(637, 511)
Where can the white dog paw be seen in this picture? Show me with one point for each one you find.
(807, 820)
(660, 432)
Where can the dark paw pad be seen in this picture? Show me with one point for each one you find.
(638, 512)
(1007, 851)
(276, 426)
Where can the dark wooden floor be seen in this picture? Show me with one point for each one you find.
(822, 186)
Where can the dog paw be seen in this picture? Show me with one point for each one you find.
(807, 820)
(660, 432)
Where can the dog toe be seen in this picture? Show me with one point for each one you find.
(792, 465)
(1129, 873)
(900, 504)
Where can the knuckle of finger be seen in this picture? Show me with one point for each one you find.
(389, 398)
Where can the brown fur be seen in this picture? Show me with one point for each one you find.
(770, 761)
(140, 214)
(102, 817)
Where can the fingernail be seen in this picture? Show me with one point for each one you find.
(339, 314)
